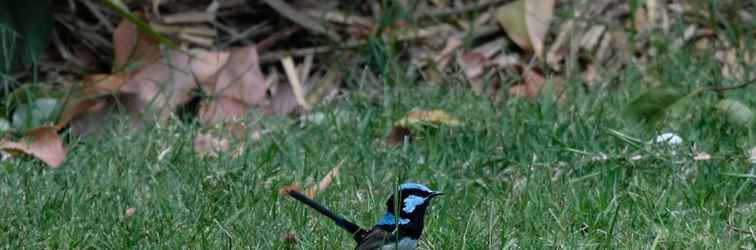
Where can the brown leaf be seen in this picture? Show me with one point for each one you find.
(161, 87)
(132, 47)
(206, 64)
(102, 84)
(95, 86)
(283, 101)
(42, 143)
(472, 64)
(527, 22)
(442, 59)
(532, 85)
(238, 84)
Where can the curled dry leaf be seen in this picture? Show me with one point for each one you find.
(527, 22)
(42, 143)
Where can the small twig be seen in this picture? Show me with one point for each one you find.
(189, 17)
(721, 89)
(739, 230)
(98, 14)
(466, 8)
(236, 36)
(277, 36)
(276, 56)
(196, 39)
(296, 84)
(301, 18)
(65, 53)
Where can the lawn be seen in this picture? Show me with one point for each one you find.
(517, 174)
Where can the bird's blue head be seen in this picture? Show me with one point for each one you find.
(414, 199)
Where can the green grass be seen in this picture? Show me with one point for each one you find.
(511, 174)
(517, 174)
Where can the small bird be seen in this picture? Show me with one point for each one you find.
(392, 232)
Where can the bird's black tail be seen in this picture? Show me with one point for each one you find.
(357, 233)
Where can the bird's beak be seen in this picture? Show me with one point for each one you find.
(434, 194)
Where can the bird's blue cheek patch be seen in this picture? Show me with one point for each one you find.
(411, 202)
(388, 219)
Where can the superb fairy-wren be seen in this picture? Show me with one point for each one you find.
(397, 229)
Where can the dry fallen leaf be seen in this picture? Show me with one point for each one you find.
(237, 86)
(161, 87)
(206, 64)
(472, 64)
(42, 143)
(325, 182)
(434, 117)
(132, 47)
(702, 156)
(527, 22)
(442, 59)
(532, 84)
(87, 109)
(402, 130)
